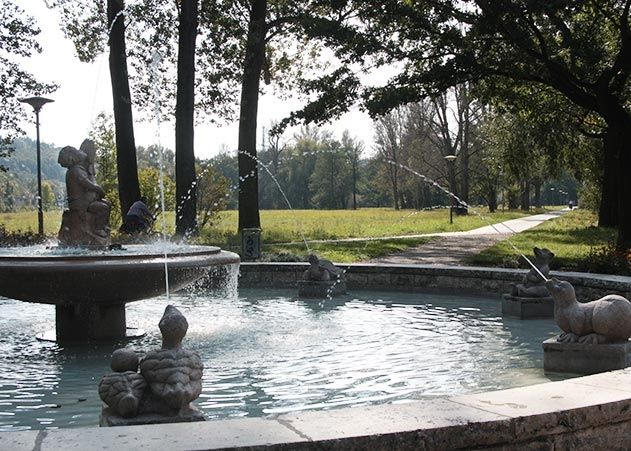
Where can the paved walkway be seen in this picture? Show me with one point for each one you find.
(452, 248)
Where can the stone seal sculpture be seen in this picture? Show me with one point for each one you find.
(322, 279)
(606, 320)
(86, 221)
(169, 380)
(533, 284)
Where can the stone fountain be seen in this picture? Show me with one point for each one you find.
(88, 283)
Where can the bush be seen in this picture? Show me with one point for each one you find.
(606, 260)
(19, 238)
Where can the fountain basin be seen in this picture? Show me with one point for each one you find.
(90, 289)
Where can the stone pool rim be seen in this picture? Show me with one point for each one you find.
(589, 412)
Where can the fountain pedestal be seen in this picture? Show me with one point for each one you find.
(581, 358)
(527, 307)
(90, 290)
(81, 322)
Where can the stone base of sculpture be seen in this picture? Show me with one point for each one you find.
(189, 414)
(77, 229)
(320, 289)
(526, 307)
(579, 358)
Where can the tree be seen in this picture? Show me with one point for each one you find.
(212, 190)
(389, 130)
(353, 150)
(18, 40)
(329, 181)
(104, 137)
(579, 49)
(185, 180)
(92, 26)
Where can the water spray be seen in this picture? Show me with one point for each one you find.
(464, 204)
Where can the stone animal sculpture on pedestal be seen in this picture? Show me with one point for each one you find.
(533, 285)
(606, 320)
(321, 270)
(86, 221)
(169, 380)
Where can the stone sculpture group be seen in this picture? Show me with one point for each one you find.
(170, 378)
(86, 222)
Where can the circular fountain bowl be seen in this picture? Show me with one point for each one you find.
(90, 288)
(70, 276)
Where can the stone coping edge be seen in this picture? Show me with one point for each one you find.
(591, 412)
(482, 280)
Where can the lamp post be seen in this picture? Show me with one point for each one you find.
(452, 184)
(37, 103)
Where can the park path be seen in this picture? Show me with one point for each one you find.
(451, 248)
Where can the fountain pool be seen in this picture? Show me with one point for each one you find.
(266, 353)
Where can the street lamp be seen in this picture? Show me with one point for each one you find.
(452, 184)
(37, 103)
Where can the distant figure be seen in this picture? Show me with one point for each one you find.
(570, 204)
(138, 218)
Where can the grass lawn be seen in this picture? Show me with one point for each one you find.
(570, 237)
(284, 231)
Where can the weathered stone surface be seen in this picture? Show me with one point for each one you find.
(606, 320)
(109, 417)
(87, 220)
(585, 358)
(527, 308)
(169, 380)
(533, 283)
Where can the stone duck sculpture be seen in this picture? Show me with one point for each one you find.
(321, 270)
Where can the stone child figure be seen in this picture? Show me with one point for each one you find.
(533, 285)
(606, 320)
(86, 222)
(321, 270)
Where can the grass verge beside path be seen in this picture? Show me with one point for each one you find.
(571, 237)
(284, 226)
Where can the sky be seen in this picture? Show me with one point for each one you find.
(85, 90)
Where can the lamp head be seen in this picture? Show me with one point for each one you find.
(36, 102)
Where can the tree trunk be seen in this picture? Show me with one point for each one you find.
(127, 169)
(537, 185)
(248, 168)
(622, 141)
(525, 195)
(185, 186)
(609, 194)
(492, 200)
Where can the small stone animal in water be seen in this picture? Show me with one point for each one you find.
(533, 284)
(606, 320)
(123, 389)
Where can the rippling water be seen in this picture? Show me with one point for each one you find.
(265, 353)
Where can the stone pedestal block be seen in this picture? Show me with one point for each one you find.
(187, 415)
(320, 289)
(585, 358)
(527, 308)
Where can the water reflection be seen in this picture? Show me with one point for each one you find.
(267, 352)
